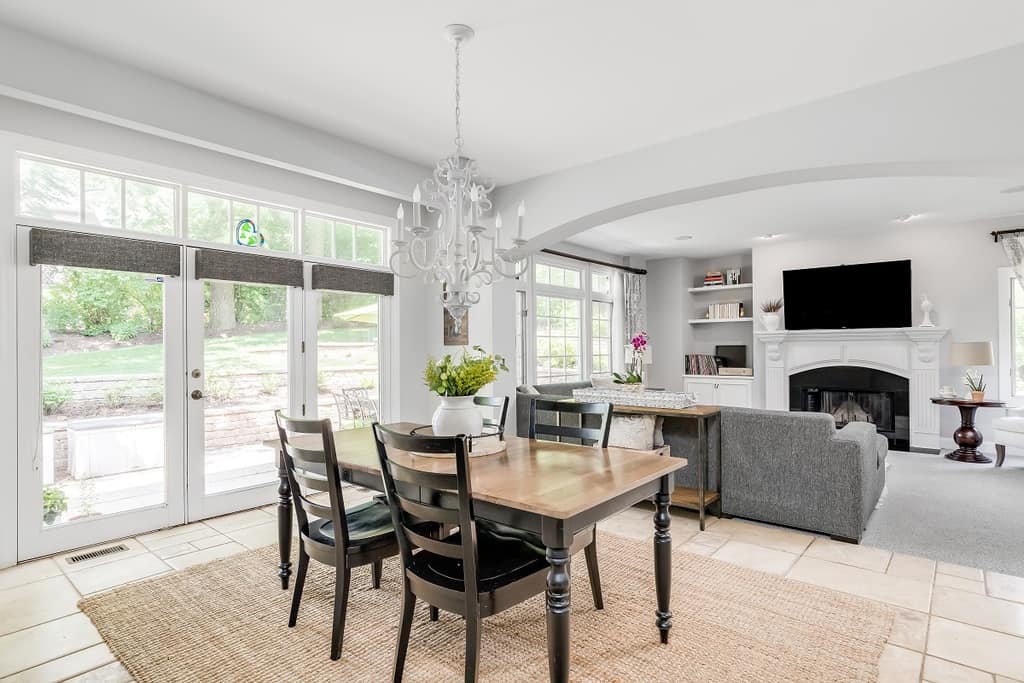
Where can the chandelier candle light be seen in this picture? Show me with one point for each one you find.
(457, 251)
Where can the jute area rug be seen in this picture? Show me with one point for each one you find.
(226, 621)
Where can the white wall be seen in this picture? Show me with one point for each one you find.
(62, 77)
(667, 311)
(955, 265)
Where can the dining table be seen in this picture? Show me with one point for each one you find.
(549, 488)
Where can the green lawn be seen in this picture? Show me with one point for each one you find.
(254, 352)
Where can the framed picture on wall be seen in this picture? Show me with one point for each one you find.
(451, 338)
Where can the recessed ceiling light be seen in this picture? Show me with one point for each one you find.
(907, 217)
(683, 238)
(769, 236)
(1012, 190)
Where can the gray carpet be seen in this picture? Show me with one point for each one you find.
(966, 514)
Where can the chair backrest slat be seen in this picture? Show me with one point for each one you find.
(307, 456)
(432, 545)
(316, 482)
(589, 436)
(494, 402)
(431, 513)
(435, 489)
(313, 508)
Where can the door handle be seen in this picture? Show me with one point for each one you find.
(196, 394)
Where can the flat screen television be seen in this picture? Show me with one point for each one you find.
(848, 297)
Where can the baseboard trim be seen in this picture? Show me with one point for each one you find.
(929, 451)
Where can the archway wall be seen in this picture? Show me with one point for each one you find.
(951, 121)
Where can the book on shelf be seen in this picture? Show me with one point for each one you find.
(736, 372)
(725, 310)
(700, 364)
(713, 278)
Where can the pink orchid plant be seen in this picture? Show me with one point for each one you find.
(634, 373)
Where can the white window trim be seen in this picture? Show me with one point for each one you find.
(584, 294)
(1007, 383)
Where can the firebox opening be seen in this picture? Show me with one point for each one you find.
(853, 394)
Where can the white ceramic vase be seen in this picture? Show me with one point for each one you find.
(457, 415)
(770, 321)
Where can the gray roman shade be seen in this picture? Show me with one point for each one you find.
(215, 264)
(83, 250)
(348, 279)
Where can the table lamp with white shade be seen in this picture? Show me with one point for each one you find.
(972, 355)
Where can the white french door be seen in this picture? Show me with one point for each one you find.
(100, 420)
(243, 361)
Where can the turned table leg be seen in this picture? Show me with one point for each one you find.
(284, 522)
(968, 438)
(558, 614)
(663, 557)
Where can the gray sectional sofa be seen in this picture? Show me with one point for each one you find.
(790, 468)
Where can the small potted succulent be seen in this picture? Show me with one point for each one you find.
(457, 383)
(975, 382)
(55, 503)
(770, 314)
(634, 376)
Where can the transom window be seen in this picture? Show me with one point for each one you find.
(342, 239)
(77, 195)
(557, 276)
(213, 218)
(72, 194)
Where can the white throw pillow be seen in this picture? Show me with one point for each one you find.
(659, 436)
(632, 431)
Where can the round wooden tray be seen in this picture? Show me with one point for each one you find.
(488, 443)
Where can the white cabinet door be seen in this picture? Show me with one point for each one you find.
(737, 395)
(702, 389)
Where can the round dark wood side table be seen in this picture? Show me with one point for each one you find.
(967, 437)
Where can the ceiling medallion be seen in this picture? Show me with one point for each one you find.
(455, 249)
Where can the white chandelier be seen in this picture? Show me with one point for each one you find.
(456, 251)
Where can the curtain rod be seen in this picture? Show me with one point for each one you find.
(996, 234)
(584, 259)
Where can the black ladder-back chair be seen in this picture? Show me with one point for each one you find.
(366, 536)
(494, 402)
(586, 540)
(471, 573)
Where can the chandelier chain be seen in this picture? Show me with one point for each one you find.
(458, 98)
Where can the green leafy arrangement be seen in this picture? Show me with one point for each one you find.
(446, 377)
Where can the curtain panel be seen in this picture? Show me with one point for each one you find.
(633, 296)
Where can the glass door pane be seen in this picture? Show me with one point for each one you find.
(102, 393)
(348, 358)
(245, 363)
(100, 455)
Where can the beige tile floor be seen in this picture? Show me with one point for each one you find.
(955, 624)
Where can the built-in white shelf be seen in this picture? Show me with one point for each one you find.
(705, 321)
(720, 288)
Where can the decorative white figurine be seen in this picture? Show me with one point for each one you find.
(926, 308)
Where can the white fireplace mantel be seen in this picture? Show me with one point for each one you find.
(911, 352)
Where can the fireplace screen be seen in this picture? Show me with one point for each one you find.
(875, 407)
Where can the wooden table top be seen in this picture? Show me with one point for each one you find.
(557, 480)
(943, 401)
(693, 411)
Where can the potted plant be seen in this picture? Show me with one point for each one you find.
(456, 383)
(634, 375)
(770, 314)
(55, 503)
(976, 383)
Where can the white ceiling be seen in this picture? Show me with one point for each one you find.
(810, 211)
(547, 85)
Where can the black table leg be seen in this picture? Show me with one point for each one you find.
(284, 522)
(558, 614)
(662, 558)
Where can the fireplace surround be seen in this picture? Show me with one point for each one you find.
(911, 353)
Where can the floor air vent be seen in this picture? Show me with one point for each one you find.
(93, 554)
